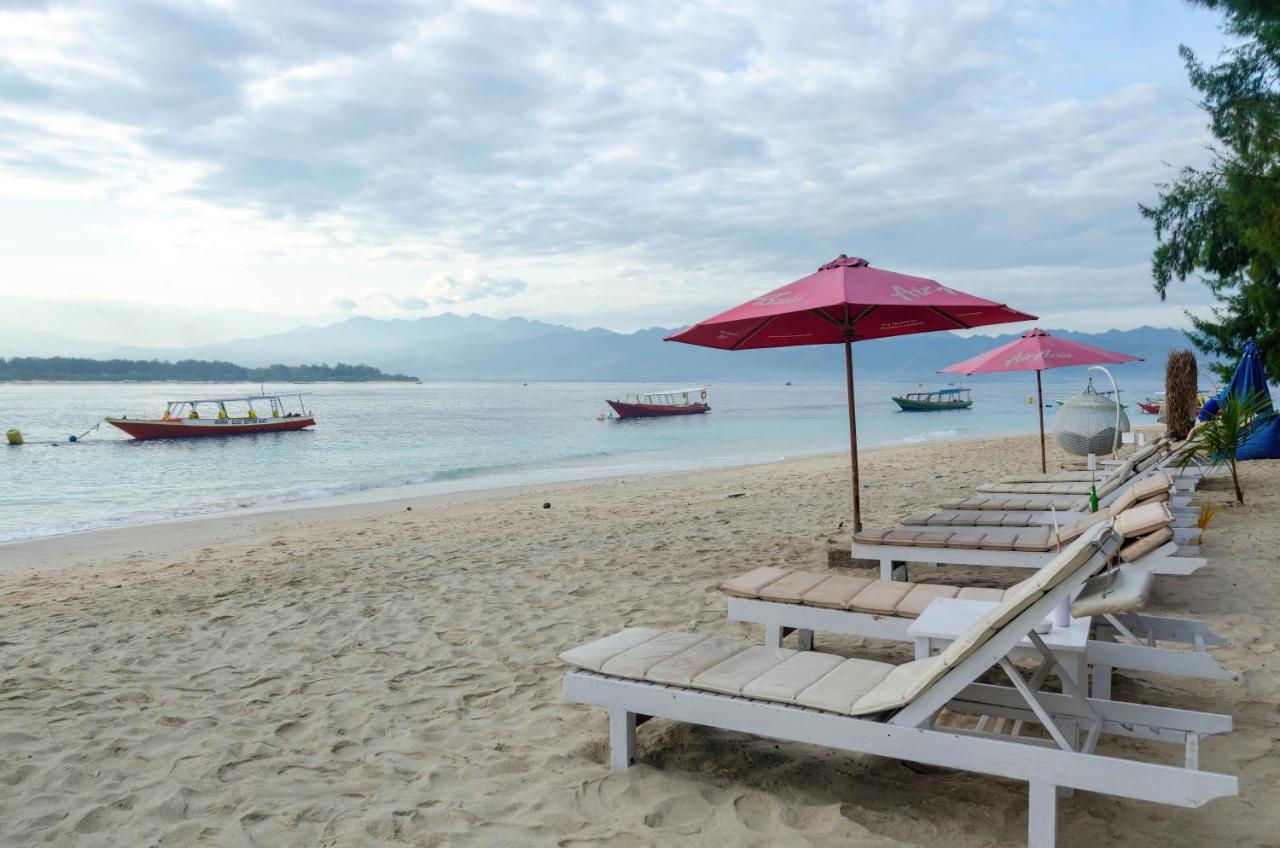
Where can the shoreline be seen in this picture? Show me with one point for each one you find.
(68, 550)
(408, 494)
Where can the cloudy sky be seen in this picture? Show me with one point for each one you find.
(186, 171)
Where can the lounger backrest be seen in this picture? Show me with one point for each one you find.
(908, 682)
(995, 634)
(1069, 561)
(1117, 478)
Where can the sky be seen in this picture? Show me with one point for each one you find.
(186, 172)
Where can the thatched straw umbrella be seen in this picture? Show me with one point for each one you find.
(1180, 393)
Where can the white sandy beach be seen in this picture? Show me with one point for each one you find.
(386, 674)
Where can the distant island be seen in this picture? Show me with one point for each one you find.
(67, 368)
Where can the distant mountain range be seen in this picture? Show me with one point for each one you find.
(475, 347)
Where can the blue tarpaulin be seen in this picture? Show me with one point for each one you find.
(1263, 442)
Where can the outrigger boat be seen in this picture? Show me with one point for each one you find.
(662, 404)
(182, 419)
(938, 399)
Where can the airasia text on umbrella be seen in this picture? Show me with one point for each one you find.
(909, 294)
(1041, 354)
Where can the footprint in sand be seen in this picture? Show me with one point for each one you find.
(683, 814)
(756, 811)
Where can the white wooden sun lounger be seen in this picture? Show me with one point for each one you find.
(877, 708)
(1158, 486)
(1120, 637)
(1024, 547)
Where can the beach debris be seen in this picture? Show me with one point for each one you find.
(547, 505)
(738, 495)
(408, 509)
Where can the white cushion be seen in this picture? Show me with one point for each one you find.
(740, 669)
(595, 654)
(844, 685)
(634, 662)
(1118, 591)
(792, 676)
(900, 686)
(681, 669)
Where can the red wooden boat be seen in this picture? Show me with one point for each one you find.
(662, 404)
(182, 418)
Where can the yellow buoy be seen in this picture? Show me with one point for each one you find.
(1031, 400)
(14, 437)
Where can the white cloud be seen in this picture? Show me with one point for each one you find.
(589, 162)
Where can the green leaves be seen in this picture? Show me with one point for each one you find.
(1216, 441)
(1222, 224)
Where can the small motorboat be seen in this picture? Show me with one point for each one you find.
(934, 401)
(662, 404)
(182, 419)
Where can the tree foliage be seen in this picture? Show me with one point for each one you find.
(1218, 440)
(1222, 223)
(188, 370)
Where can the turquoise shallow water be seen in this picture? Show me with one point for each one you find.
(378, 438)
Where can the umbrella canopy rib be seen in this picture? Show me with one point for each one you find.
(949, 317)
(754, 332)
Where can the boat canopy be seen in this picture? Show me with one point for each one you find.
(248, 399)
(669, 397)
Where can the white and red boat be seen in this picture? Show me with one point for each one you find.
(662, 404)
(184, 419)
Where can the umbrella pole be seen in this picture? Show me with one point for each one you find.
(1040, 398)
(853, 438)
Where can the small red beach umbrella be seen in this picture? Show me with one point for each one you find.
(1038, 351)
(843, 302)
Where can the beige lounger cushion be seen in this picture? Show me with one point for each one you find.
(968, 537)
(1117, 591)
(1069, 560)
(680, 669)
(881, 597)
(1140, 547)
(729, 676)
(1072, 531)
(595, 654)
(792, 676)
(791, 588)
(635, 662)
(921, 595)
(933, 538)
(836, 591)
(1147, 488)
(900, 687)
(839, 690)
(1141, 520)
(749, 585)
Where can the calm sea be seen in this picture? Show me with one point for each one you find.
(393, 439)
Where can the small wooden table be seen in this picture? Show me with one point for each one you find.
(946, 618)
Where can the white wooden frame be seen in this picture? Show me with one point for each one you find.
(911, 734)
(1138, 648)
(1169, 558)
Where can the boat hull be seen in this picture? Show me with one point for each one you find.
(655, 410)
(1149, 408)
(919, 406)
(189, 428)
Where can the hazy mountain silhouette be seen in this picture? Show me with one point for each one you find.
(475, 347)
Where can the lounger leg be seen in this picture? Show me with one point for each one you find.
(773, 636)
(1042, 815)
(886, 569)
(622, 739)
(804, 639)
(1102, 682)
(1193, 751)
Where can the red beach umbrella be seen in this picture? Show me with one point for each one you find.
(1038, 351)
(843, 302)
